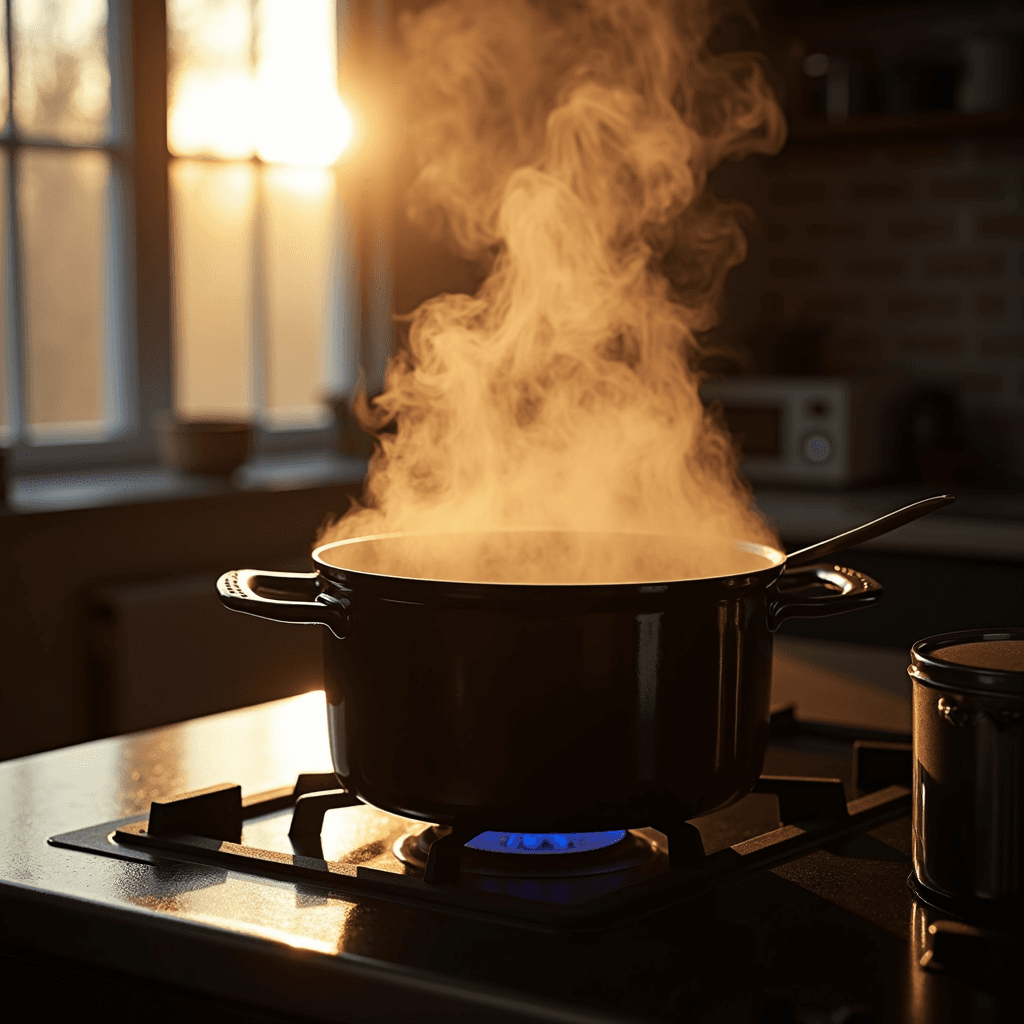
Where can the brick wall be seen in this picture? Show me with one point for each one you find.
(909, 258)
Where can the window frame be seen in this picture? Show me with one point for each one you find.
(134, 233)
(137, 43)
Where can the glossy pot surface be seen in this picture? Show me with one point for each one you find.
(969, 770)
(547, 707)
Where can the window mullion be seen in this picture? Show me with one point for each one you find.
(363, 73)
(260, 287)
(151, 209)
(259, 312)
(15, 397)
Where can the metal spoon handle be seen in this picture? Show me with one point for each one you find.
(869, 531)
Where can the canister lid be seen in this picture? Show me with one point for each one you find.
(982, 660)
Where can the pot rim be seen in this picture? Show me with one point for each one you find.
(776, 564)
(928, 669)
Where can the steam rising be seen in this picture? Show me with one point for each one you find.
(568, 146)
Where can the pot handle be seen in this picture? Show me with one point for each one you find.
(846, 590)
(284, 597)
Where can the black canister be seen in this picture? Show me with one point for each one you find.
(969, 771)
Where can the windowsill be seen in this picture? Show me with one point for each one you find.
(978, 525)
(141, 484)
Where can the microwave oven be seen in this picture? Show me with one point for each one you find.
(817, 431)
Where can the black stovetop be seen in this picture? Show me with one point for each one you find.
(809, 919)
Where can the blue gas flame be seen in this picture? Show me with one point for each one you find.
(545, 842)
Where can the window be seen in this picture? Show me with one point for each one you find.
(258, 222)
(177, 231)
(63, 180)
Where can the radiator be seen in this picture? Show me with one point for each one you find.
(166, 650)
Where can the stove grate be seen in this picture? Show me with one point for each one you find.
(203, 827)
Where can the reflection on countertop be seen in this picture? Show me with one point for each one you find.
(849, 684)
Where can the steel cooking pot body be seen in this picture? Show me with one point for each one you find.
(548, 707)
(969, 771)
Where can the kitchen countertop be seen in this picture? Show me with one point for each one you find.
(849, 684)
(976, 525)
(173, 924)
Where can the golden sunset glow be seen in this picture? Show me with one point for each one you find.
(283, 107)
(213, 114)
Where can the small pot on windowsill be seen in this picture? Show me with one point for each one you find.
(213, 447)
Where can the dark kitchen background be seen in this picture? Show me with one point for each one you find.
(192, 221)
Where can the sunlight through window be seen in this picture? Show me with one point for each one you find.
(266, 85)
(301, 118)
(259, 288)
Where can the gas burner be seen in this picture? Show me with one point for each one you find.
(534, 855)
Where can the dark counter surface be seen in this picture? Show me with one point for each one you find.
(798, 931)
(976, 526)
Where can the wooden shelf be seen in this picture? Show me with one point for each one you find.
(996, 122)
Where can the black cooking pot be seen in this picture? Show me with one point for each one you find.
(969, 772)
(546, 707)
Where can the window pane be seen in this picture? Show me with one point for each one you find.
(62, 79)
(257, 78)
(299, 234)
(69, 366)
(213, 206)
(211, 87)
